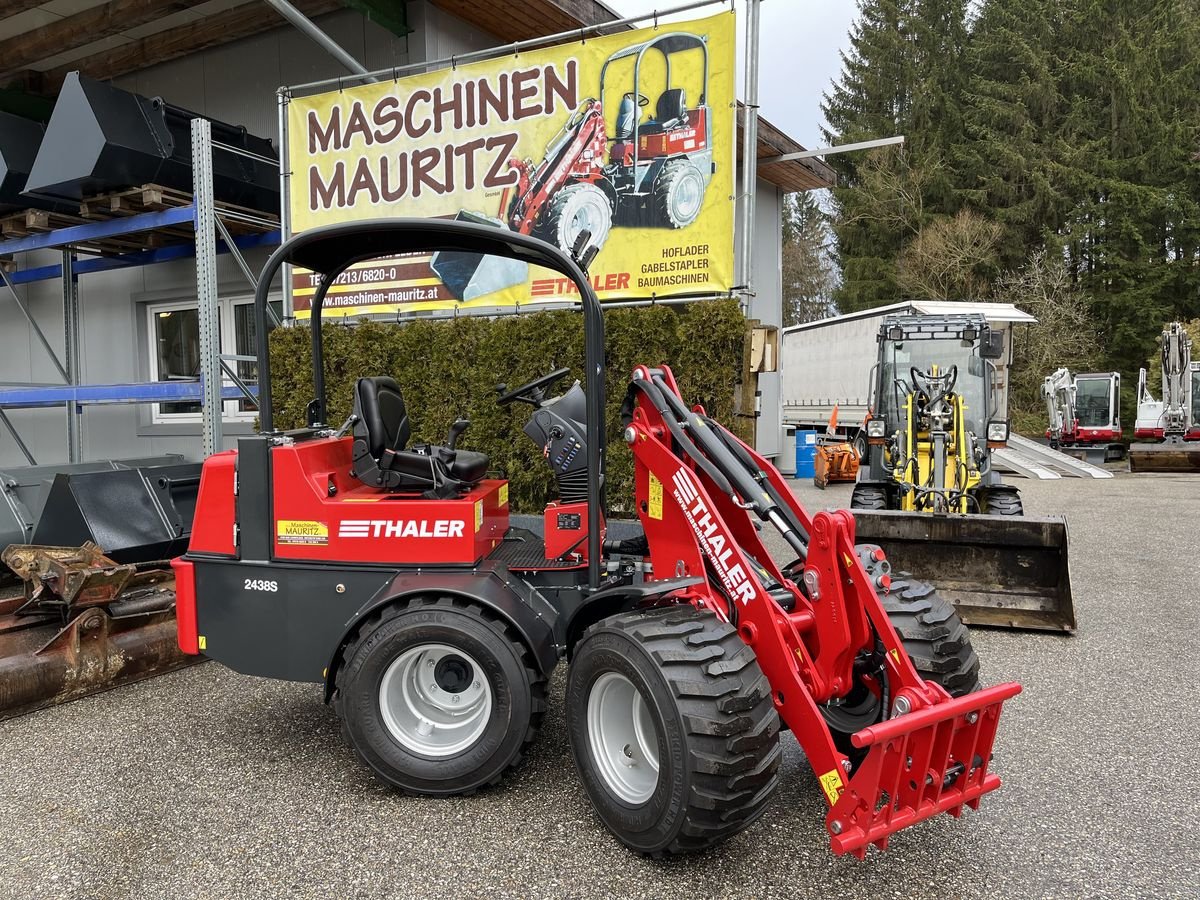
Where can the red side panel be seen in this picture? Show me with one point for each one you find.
(691, 139)
(212, 529)
(185, 607)
(323, 514)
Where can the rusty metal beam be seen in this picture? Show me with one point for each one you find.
(9, 8)
(211, 31)
(81, 29)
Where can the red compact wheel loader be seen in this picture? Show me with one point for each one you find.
(392, 574)
(656, 171)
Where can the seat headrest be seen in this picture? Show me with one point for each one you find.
(380, 408)
(672, 104)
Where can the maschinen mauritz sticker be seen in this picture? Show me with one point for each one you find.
(292, 531)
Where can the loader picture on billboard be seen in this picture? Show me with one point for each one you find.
(627, 137)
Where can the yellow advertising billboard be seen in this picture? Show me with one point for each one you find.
(629, 137)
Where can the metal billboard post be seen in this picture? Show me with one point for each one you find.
(204, 212)
(285, 201)
(70, 287)
(749, 152)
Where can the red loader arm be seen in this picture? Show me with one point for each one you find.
(567, 158)
(699, 492)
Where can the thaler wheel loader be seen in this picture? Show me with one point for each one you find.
(927, 491)
(392, 573)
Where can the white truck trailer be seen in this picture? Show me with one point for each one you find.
(828, 362)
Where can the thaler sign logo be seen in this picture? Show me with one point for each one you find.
(716, 543)
(401, 528)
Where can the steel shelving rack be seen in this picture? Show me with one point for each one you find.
(208, 222)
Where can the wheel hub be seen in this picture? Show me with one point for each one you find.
(435, 700)
(622, 738)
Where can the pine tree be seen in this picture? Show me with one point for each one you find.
(1132, 132)
(808, 272)
(901, 75)
(1006, 160)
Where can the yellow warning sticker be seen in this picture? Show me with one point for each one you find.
(202, 642)
(655, 503)
(831, 784)
(504, 494)
(478, 514)
(362, 499)
(895, 654)
(293, 531)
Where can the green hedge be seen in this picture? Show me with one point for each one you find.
(450, 367)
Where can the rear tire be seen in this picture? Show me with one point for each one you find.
(678, 194)
(868, 496)
(572, 209)
(402, 673)
(673, 729)
(1002, 500)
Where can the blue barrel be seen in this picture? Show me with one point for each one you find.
(806, 452)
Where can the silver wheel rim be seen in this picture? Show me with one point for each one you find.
(688, 194)
(622, 738)
(589, 209)
(435, 700)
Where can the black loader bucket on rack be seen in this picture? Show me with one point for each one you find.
(137, 515)
(20, 139)
(102, 139)
(998, 571)
(23, 491)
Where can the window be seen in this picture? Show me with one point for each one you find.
(174, 333)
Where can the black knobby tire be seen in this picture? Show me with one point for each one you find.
(678, 194)
(937, 642)
(517, 694)
(572, 208)
(936, 639)
(868, 496)
(714, 725)
(1002, 500)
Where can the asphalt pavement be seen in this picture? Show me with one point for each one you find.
(205, 783)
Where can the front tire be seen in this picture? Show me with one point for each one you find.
(868, 496)
(573, 209)
(1002, 500)
(438, 696)
(673, 729)
(937, 642)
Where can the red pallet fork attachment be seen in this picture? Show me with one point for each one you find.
(699, 490)
(931, 761)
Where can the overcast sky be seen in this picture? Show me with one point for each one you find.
(798, 55)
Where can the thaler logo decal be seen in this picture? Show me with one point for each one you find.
(717, 545)
(401, 528)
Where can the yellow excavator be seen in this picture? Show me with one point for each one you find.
(927, 491)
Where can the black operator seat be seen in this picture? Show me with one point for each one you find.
(670, 112)
(382, 456)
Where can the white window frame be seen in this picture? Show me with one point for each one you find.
(228, 328)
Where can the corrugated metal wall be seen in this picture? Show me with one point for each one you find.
(235, 83)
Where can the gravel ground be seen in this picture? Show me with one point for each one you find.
(205, 783)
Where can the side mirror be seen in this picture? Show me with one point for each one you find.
(993, 347)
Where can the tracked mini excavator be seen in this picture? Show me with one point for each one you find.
(1174, 420)
(393, 574)
(927, 492)
(1084, 413)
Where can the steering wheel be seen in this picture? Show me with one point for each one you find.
(642, 99)
(949, 377)
(531, 392)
